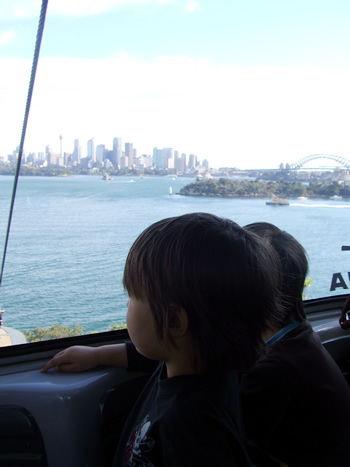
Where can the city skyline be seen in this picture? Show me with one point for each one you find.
(98, 152)
(100, 156)
(243, 84)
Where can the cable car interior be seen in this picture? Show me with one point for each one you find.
(60, 419)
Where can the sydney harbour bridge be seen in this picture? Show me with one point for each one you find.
(345, 163)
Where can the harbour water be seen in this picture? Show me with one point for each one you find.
(70, 237)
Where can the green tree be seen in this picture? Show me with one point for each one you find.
(56, 331)
(118, 326)
(307, 284)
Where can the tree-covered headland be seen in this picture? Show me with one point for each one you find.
(224, 187)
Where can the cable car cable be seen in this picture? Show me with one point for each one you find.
(25, 123)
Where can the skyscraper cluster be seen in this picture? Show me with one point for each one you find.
(117, 158)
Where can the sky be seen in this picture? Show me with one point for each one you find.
(241, 83)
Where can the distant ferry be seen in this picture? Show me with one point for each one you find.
(106, 177)
(275, 201)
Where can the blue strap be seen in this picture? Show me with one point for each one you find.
(282, 332)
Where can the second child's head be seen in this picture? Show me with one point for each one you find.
(224, 278)
(294, 267)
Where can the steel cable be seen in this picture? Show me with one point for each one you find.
(25, 122)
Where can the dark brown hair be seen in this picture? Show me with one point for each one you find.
(294, 267)
(223, 276)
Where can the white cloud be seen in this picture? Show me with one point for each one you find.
(87, 7)
(191, 5)
(6, 37)
(226, 114)
(31, 8)
(20, 9)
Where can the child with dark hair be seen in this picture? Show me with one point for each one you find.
(295, 401)
(202, 291)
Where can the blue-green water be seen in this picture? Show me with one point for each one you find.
(70, 237)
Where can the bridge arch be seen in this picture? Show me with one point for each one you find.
(304, 160)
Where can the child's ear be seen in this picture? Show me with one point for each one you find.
(179, 321)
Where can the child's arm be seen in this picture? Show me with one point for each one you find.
(81, 358)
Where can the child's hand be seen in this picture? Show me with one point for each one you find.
(73, 359)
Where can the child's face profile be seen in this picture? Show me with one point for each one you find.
(142, 330)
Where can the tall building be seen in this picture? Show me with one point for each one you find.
(168, 158)
(48, 151)
(183, 162)
(180, 162)
(129, 153)
(147, 161)
(51, 157)
(100, 152)
(108, 156)
(157, 158)
(31, 158)
(91, 152)
(143, 162)
(60, 161)
(61, 146)
(76, 154)
(123, 162)
(176, 160)
(205, 164)
(192, 161)
(117, 152)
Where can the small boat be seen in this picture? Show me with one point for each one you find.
(170, 191)
(336, 197)
(275, 201)
(106, 177)
(302, 197)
